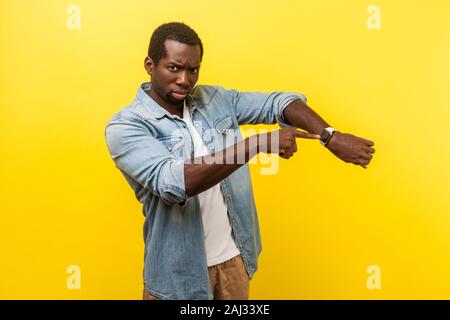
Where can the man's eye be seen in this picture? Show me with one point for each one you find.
(173, 68)
(195, 70)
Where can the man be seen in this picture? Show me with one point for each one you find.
(172, 145)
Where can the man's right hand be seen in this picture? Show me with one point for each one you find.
(286, 138)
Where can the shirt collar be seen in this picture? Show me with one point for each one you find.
(157, 111)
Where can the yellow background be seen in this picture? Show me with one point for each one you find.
(323, 221)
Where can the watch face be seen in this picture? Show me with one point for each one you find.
(324, 135)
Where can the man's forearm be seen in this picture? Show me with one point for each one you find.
(300, 115)
(202, 173)
(346, 147)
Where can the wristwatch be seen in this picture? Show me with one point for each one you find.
(326, 135)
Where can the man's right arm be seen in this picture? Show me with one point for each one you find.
(204, 172)
(148, 162)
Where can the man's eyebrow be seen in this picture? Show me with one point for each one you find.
(177, 64)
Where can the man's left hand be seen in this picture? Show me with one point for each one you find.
(351, 149)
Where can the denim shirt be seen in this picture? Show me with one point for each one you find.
(150, 145)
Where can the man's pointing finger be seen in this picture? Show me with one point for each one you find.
(306, 135)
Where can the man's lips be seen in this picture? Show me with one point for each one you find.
(180, 94)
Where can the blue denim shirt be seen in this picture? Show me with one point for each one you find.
(149, 146)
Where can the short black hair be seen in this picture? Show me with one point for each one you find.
(177, 31)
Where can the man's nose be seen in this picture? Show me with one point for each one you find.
(182, 80)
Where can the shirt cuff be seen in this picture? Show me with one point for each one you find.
(174, 189)
(281, 120)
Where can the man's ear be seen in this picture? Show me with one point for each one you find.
(148, 65)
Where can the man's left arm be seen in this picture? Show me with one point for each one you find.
(345, 146)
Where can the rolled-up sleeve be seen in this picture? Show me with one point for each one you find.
(261, 108)
(146, 160)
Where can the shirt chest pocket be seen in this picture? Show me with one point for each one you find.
(174, 145)
(225, 133)
(223, 123)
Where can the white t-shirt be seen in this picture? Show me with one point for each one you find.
(219, 239)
